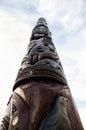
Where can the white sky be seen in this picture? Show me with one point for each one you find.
(67, 22)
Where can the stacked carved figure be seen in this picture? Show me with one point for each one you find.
(41, 98)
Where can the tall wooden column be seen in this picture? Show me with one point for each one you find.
(41, 98)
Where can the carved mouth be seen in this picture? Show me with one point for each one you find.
(48, 56)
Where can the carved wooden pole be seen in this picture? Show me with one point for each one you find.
(41, 98)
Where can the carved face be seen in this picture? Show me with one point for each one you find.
(38, 50)
(41, 45)
(42, 48)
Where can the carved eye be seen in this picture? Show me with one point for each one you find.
(14, 109)
(15, 120)
(45, 44)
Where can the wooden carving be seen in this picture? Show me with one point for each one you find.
(41, 98)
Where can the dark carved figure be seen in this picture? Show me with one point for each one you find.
(57, 119)
(41, 98)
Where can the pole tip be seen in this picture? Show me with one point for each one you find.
(42, 21)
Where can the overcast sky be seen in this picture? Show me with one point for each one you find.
(67, 22)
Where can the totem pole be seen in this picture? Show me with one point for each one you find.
(41, 98)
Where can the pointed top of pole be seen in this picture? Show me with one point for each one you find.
(42, 21)
(41, 59)
(41, 30)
